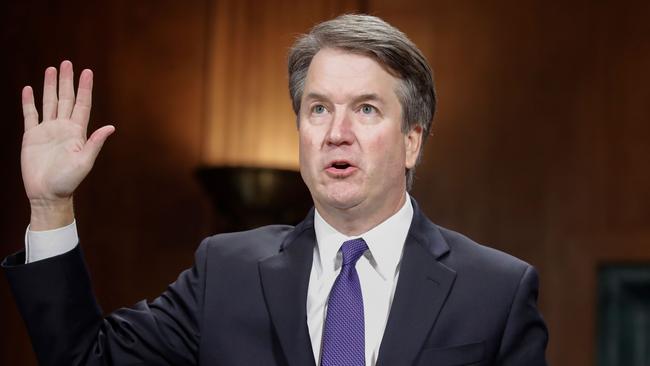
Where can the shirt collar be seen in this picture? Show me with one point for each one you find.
(385, 242)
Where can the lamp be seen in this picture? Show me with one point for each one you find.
(248, 197)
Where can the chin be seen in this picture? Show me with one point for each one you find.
(335, 194)
(341, 197)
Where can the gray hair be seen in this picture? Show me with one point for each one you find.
(370, 36)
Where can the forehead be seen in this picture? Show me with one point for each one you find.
(339, 74)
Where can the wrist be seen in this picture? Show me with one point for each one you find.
(51, 214)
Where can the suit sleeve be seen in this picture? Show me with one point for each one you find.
(525, 335)
(66, 326)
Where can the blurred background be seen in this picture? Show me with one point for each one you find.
(540, 146)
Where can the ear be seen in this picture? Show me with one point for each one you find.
(412, 143)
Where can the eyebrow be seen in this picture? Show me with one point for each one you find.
(357, 99)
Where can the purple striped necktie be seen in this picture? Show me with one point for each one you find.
(343, 333)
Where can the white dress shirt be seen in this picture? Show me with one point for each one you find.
(378, 270)
(49, 243)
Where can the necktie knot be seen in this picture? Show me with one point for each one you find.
(352, 250)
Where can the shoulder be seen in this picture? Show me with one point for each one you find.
(251, 245)
(471, 259)
(485, 277)
(462, 254)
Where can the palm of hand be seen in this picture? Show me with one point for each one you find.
(52, 159)
(55, 155)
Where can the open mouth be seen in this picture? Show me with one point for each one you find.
(340, 169)
(340, 165)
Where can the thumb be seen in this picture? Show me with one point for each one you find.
(96, 141)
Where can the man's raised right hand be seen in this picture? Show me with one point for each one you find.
(56, 155)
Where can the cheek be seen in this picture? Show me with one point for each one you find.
(388, 150)
(307, 149)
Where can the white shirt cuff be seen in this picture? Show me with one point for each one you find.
(41, 245)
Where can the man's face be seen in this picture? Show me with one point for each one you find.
(353, 153)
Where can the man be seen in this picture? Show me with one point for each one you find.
(365, 279)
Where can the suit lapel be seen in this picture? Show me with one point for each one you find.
(285, 278)
(421, 291)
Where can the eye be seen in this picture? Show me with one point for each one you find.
(318, 109)
(367, 109)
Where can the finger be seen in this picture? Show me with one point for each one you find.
(49, 94)
(96, 141)
(29, 109)
(81, 111)
(66, 90)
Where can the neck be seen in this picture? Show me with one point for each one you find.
(359, 219)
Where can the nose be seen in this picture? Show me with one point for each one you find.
(340, 131)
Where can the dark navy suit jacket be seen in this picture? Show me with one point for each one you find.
(244, 303)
